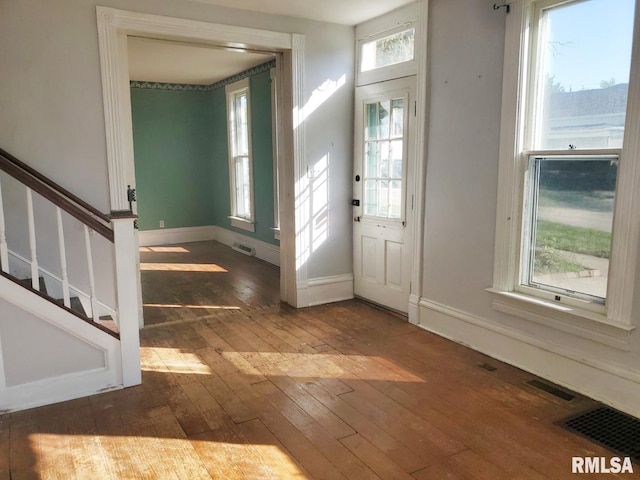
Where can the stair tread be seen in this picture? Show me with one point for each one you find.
(27, 283)
(75, 305)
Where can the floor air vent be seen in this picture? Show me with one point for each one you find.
(486, 366)
(610, 428)
(553, 390)
(246, 249)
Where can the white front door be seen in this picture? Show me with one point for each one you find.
(383, 160)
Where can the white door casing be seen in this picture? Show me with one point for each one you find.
(384, 161)
(113, 28)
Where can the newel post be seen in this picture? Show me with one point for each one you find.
(126, 277)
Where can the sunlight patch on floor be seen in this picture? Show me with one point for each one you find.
(172, 360)
(110, 456)
(320, 365)
(182, 267)
(164, 250)
(179, 305)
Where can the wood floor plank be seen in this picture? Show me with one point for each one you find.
(285, 465)
(294, 440)
(391, 447)
(333, 450)
(376, 460)
(25, 452)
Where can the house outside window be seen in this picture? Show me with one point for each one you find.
(240, 158)
(563, 150)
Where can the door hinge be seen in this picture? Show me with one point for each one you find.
(415, 108)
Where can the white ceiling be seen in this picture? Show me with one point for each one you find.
(346, 12)
(169, 62)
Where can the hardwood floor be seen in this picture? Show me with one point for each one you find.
(263, 391)
(186, 281)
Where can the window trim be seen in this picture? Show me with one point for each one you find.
(617, 316)
(399, 20)
(232, 90)
(273, 75)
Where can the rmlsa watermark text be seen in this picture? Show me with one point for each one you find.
(601, 465)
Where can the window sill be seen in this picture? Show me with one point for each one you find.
(576, 321)
(243, 224)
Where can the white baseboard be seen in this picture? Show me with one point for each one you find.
(58, 389)
(171, 236)
(611, 384)
(414, 309)
(321, 290)
(264, 251)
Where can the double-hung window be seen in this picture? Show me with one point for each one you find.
(240, 160)
(563, 151)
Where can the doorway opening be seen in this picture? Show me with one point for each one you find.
(199, 152)
(116, 26)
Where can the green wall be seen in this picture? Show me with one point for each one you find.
(172, 157)
(262, 150)
(181, 158)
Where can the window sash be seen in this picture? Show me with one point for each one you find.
(240, 158)
(548, 264)
(536, 49)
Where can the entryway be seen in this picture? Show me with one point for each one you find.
(384, 159)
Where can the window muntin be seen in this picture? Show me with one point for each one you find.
(240, 163)
(581, 68)
(567, 110)
(569, 217)
(384, 158)
(389, 50)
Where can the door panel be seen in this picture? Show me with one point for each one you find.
(383, 159)
(393, 256)
(369, 251)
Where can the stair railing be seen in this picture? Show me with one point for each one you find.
(90, 218)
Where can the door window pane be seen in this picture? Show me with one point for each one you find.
(585, 56)
(371, 121)
(371, 164)
(383, 120)
(384, 158)
(397, 114)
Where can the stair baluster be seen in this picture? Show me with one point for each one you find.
(92, 280)
(35, 273)
(4, 251)
(66, 296)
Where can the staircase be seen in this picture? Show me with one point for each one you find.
(68, 293)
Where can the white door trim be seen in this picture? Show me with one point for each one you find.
(416, 216)
(419, 182)
(113, 28)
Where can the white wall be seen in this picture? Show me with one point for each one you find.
(31, 349)
(52, 115)
(466, 53)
